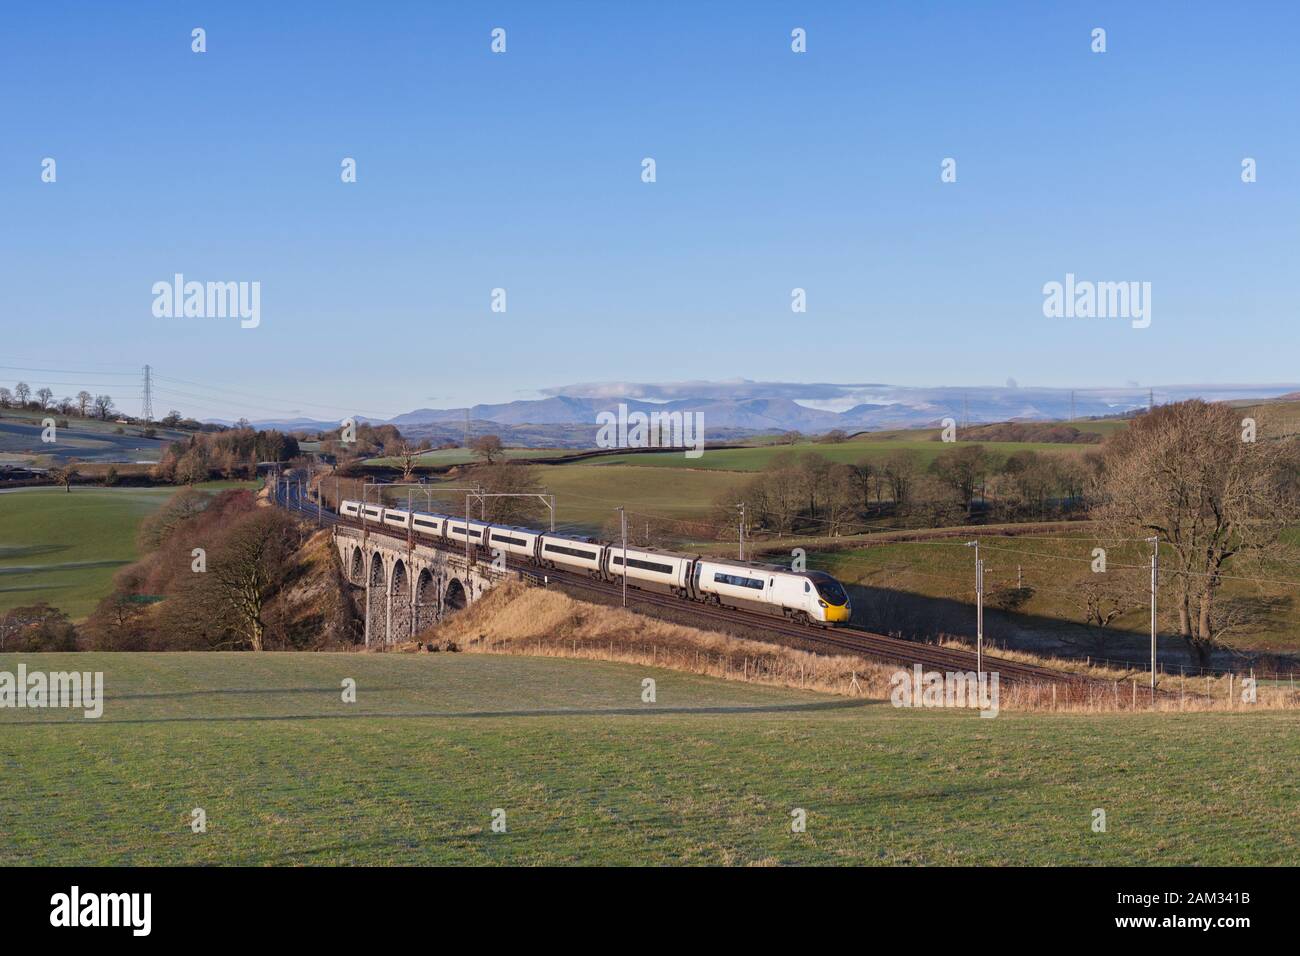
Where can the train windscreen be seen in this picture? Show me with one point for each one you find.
(831, 591)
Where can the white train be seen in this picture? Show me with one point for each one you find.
(805, 596)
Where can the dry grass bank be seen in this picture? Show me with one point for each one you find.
(1180, 692)
(515, 619)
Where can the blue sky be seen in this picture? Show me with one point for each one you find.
(522, 171)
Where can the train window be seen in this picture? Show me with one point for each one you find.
(574, 552)
(509, 539)
(806, 588)
(735, 580)
(832, 592)
(644, 565)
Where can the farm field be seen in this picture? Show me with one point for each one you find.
(462, 456)
(586, 773)
(84, 439)
(941, 570)
(587, 494)
(849, 452)
(64, 548)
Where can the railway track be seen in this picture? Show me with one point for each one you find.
(844, 639)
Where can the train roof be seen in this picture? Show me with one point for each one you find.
(755, 565)
(618, 546)
(570, 537)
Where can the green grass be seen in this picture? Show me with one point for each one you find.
(64, 548)
(1052, 563)
(586, 495)
(849, 452)
(586, 773)
(462, 456)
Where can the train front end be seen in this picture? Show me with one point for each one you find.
(832, 604)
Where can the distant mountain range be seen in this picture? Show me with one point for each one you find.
(571, 419)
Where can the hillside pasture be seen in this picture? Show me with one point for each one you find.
(847, 452)
(586, 773)
(64, 548)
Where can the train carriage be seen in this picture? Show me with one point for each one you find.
(568, 551)
(456, 529)
(372, 514)
(651, 566)
(517, 541)
(350, 509)
(427, 524)
(397, 518)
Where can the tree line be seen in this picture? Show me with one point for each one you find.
(232, 453)
(809, 494)
(83, 404)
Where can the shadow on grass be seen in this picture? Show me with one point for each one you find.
(66, 566)
(649, 710)
(8, 552)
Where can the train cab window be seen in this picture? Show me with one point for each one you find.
(806, 588)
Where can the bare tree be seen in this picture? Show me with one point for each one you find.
(1193, 476)
(863, 474)
(901, 471)
(103, 405)
(6, 397)
(839, 500)
(193, 466)
(22, 391)
(249, 567)
(45, 395)
(84, 400)
(66, 474)
(509, 478)
(487, 447)
(963, 469)
(410, 455)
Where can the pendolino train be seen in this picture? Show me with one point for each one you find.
(809, 597)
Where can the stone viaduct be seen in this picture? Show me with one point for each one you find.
(409, 586)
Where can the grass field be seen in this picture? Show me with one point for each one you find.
(462, 456)
(849, 452)
(1051, 564)
(85, 439)
(64, 548)
(586, 773)
(586, 495)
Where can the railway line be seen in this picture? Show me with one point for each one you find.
(843, 639)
